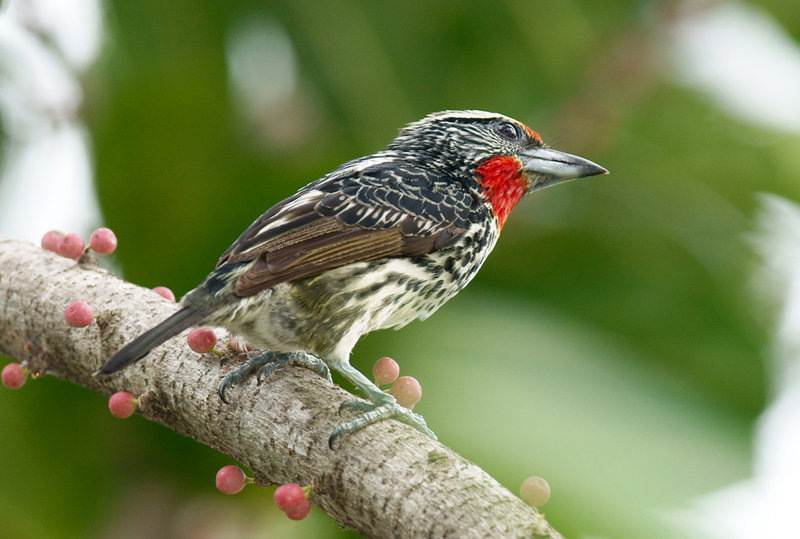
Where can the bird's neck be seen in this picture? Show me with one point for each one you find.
(503, 184)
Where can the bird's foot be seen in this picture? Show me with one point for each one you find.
(267, 363)
(374, 412)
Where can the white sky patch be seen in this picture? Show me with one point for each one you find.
(75, 26)
(46, 173)
(46, 183)
(276, 110)
(36, 87)
(745, 60)
(262, 65)
(766, 504)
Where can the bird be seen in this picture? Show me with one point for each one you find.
(381, 241)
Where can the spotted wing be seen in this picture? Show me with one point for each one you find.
(384, 210)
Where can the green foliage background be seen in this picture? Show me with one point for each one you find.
(611, 343)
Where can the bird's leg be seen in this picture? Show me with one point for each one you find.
(268, 362)
(383, 406)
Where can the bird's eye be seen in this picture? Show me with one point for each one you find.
(507, 130)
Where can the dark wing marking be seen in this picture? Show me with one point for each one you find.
(383, 211)
(328, 252)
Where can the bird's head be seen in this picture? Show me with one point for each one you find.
(498, 157)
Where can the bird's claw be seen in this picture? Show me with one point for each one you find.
(311, 362)
(242, 371)
(372, 413)
(267, 363)
(356, 406)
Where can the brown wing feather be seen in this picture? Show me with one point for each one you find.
(314, 256)
(305, 228)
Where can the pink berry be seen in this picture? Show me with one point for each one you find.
(534, 491)
(14, 376)
(78, 314)
(51, 240)
(165, 293)
(407, 391)
(301, 511)
(385, 371)
(201, 340)
(289, 496)
(122, 404)
(231, 479)
(103, 241)
(71, 245)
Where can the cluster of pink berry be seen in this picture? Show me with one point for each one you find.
(292, 499)
(405, 389)
(78, 313)
(102, 241)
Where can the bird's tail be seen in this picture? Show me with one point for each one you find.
(141, 345)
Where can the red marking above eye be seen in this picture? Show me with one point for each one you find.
(501, 178)
(532, 133)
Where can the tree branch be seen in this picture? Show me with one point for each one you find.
(385, 480)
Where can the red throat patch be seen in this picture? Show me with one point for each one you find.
(502, 179)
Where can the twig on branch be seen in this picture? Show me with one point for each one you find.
(385, 480)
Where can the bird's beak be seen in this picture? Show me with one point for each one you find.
(546, 167)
